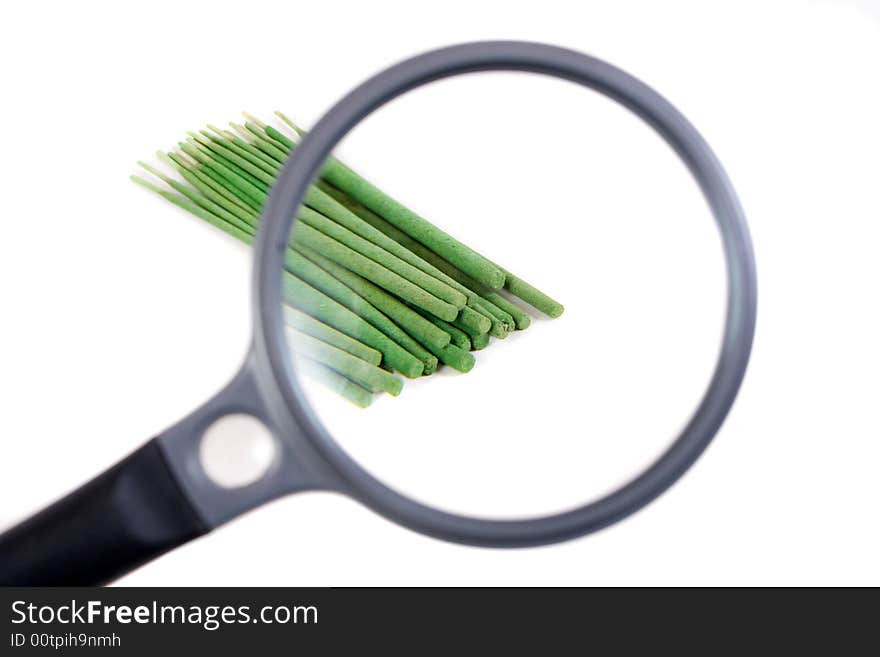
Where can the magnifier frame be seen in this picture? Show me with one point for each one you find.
(270, 353)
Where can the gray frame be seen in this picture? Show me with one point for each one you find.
(309, 458)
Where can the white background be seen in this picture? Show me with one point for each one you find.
(122, 314)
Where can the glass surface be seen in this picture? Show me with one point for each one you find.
(555, 186)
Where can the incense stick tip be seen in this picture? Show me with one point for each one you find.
(253, 119)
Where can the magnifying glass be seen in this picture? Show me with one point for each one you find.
(442, 459)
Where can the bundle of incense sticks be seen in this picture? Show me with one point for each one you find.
(370, 287)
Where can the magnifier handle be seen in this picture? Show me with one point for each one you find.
(130, 514)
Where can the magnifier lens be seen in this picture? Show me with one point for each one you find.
(563, 189)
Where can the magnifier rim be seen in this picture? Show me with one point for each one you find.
(304, 164)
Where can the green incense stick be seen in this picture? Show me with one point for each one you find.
(357, 395)
(480, 341)
(308, 324)
(373, 378)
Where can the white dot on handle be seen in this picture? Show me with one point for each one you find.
(236, 450)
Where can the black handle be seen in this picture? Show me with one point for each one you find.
(127, 516)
